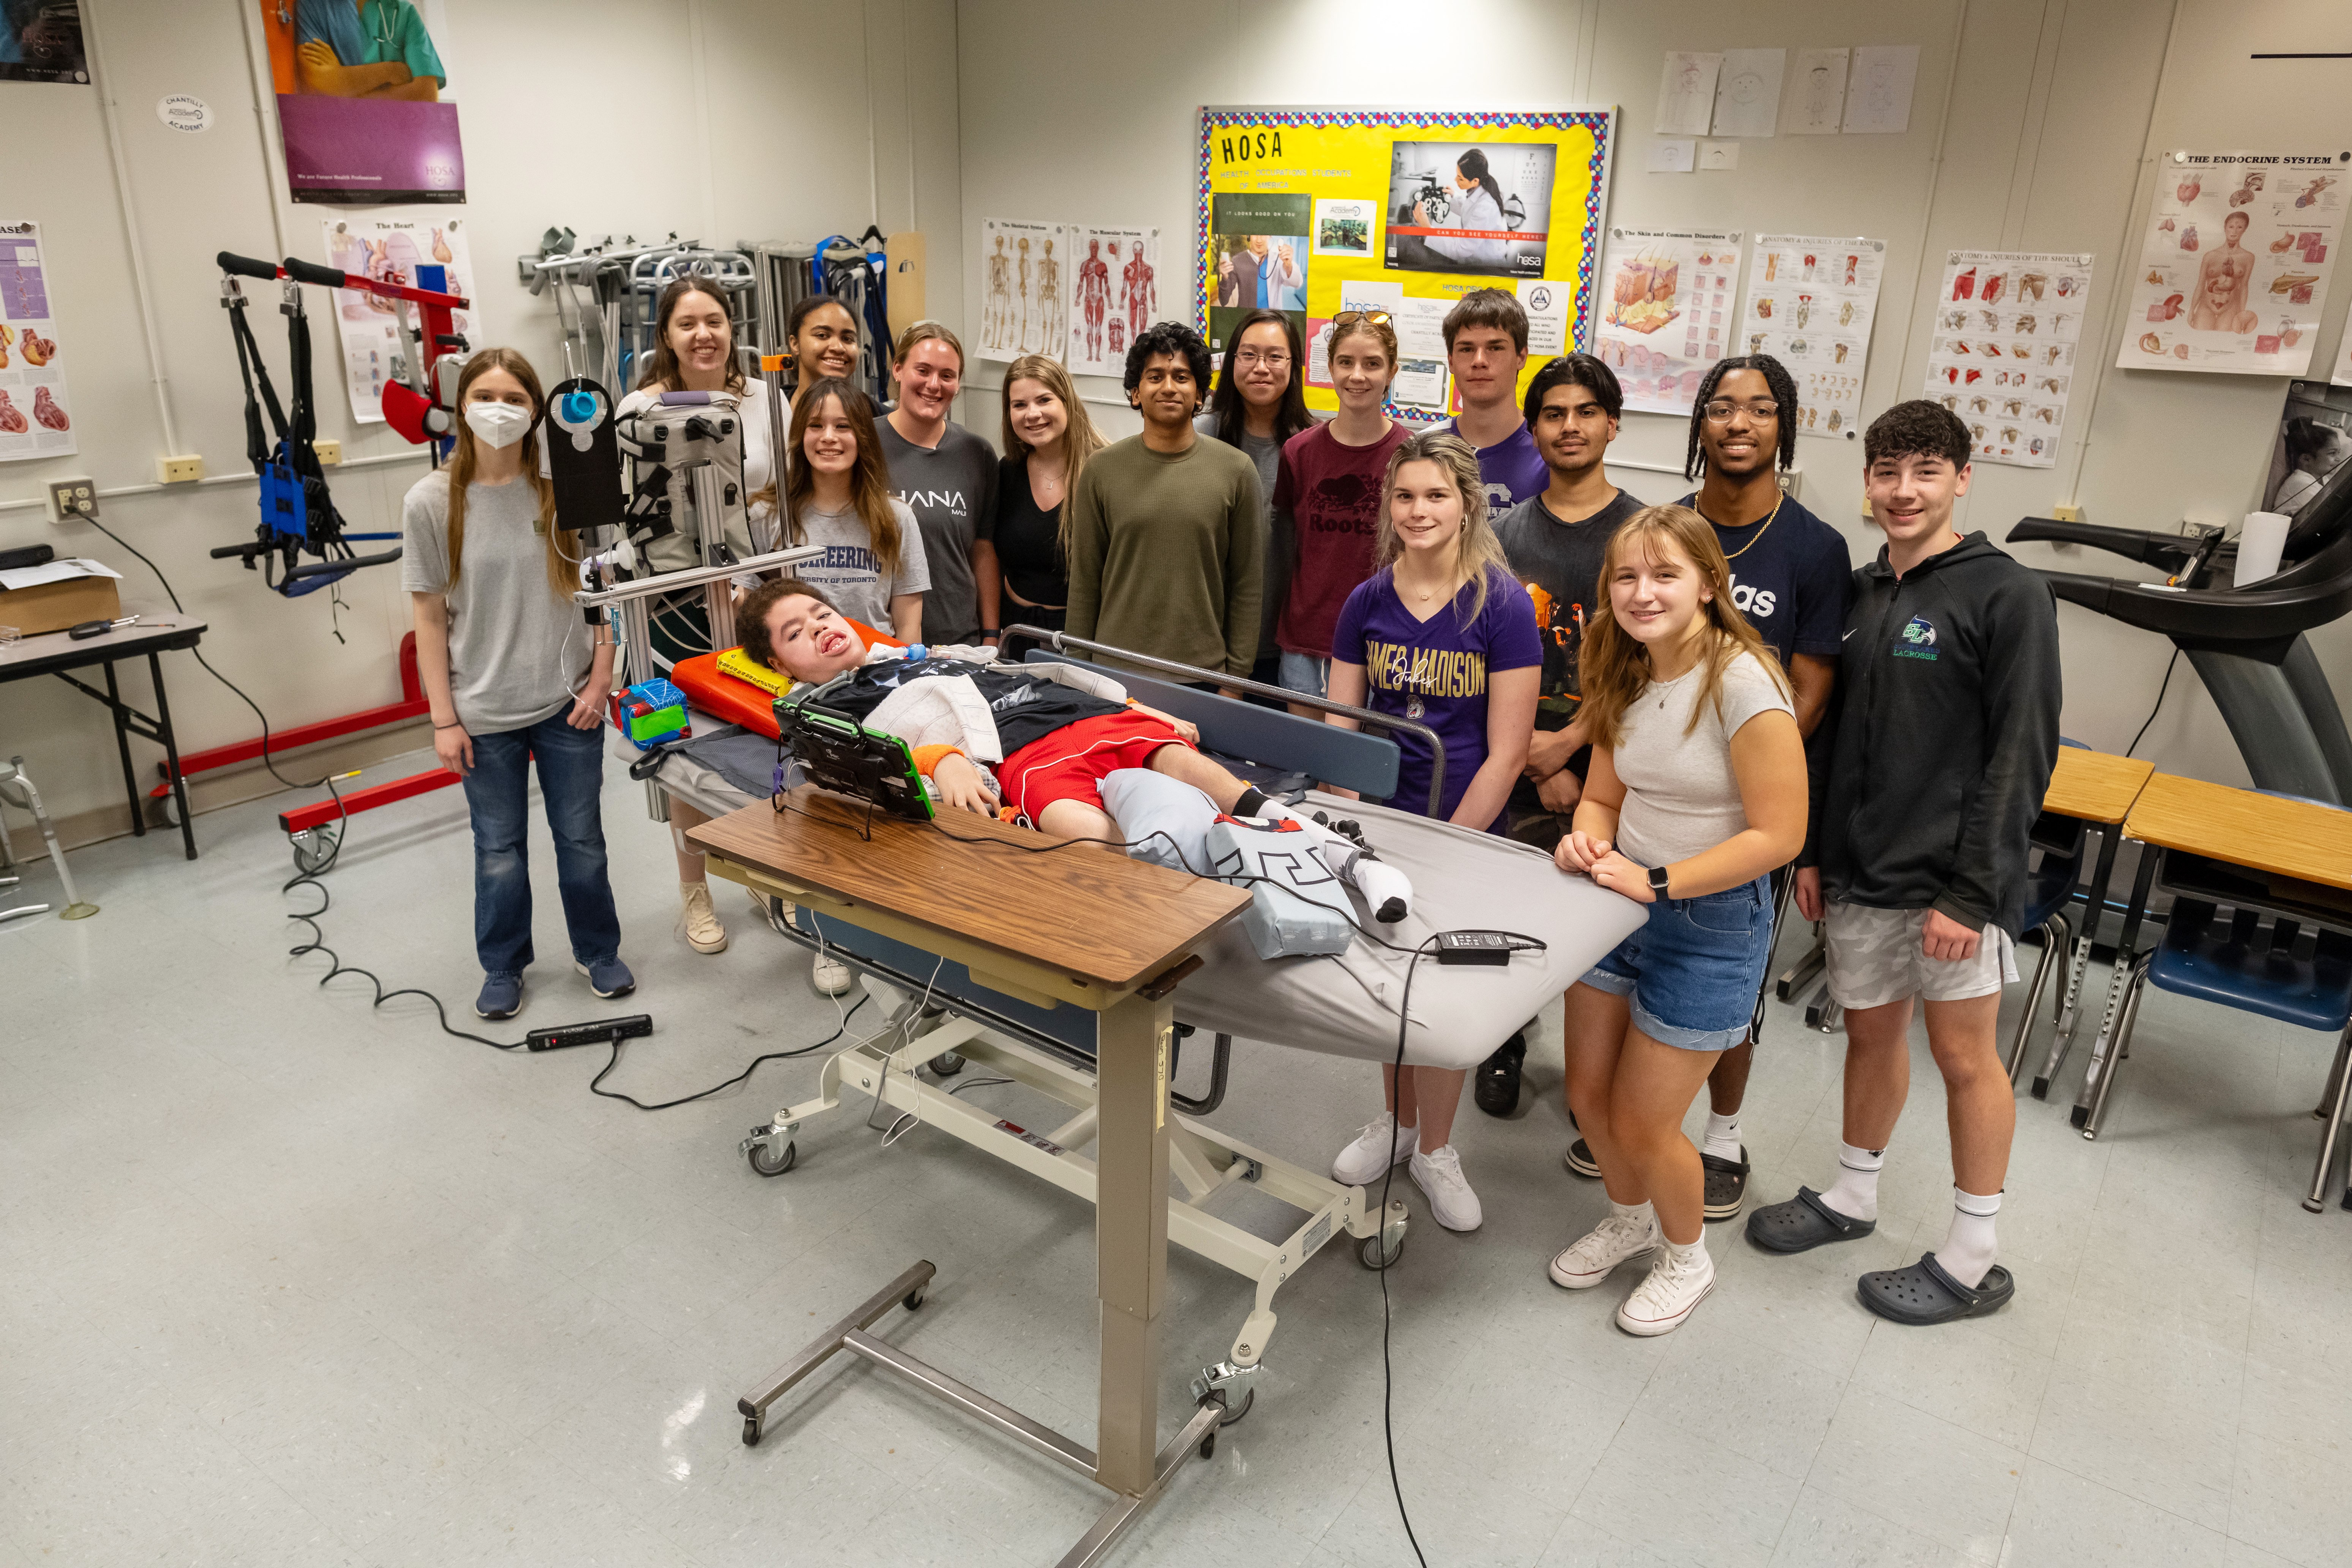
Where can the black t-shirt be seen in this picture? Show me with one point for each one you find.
(1792, 576)
(1026, 707)
(1028, 541)
(1560, 562)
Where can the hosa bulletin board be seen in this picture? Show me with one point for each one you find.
(1313, 212)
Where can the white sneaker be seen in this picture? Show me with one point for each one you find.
(1380, 1144)
(1672, 1291)
(829, 975)
(1591, 1258)
(1451, 1203)
(703, 932)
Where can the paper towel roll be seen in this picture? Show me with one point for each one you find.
(2259, 546)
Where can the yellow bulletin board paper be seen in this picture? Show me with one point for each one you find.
(1283, 194)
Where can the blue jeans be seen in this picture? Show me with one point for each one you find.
(1305, 673)
(1694, 968)
(571, 774)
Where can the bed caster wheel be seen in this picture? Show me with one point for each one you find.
(1384, 1249)
(1235, 1412)
(314, 851)
(913, 1300)
(751, 1431)
(767, 1164)
(946, 1064)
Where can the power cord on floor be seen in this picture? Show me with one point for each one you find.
(2159, 702)
(1387, 1376)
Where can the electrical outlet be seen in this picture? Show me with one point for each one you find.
(182, 471)
(331, 452)
(71, 499)
(2066, 513)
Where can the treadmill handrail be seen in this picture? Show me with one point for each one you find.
(2167, 551)
(2253, 620)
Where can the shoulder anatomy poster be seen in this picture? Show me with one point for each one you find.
(36, 415)
(1666, 311)
(1811, 299)
(1025, 273)
(2235, 262)
(1112, 277)
(2008, 326)
(1301, 209)
(394, 250)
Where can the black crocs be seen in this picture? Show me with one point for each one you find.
(1497, 1092)
(1803, 1223)
(1726, 1184)
(1923, 1294)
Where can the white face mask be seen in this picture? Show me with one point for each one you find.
(499, 424)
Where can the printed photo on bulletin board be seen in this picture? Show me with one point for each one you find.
(365, 100)
(1316, 211)
(40, 40)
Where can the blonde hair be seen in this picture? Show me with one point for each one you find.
(1614, 667)
(1477, 553)
(563, 563)
(1080, 441)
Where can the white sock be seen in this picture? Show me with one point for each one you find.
(1854, 1194)
(1722, 1136)
(1638, 1213)
(1968, 1251)
(1683, 1254)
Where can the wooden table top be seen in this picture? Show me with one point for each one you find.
(2095, 786)
(1090, 913)
(2284, 837)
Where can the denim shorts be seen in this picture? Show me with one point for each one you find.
(1694, 967)
(1306, 674)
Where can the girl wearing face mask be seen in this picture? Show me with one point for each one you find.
(1260, 403)
(513, 676)
(1440, 633)
(947, 476)
(1047, 440)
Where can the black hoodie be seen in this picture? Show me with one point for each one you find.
(1946, 732)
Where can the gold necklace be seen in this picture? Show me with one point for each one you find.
(1759, 532)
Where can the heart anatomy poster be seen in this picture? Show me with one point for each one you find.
(36, 415)
(1301, 209)
(1666, 311)
(394, 250)
(2234, 262)
(1811, 301)
(2007, 325)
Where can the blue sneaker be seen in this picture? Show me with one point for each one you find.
(502, 997)
(608, 977)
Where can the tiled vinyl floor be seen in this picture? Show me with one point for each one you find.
(285, 1280)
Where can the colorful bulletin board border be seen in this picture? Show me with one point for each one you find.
(1343, 156)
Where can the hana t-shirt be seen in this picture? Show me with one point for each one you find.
(1561, 563)
(951, 491)
(1681, 798)
(1436, 671)
(1514, 470)
(849, 573)
(1790, 576)
(1329, 495)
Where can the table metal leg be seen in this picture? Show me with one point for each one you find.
(2340, 1080)
(2079, 962)
(2054, 942)
(123, 746)
(1132, 1041)
(171, 753)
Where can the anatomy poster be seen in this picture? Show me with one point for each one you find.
(1114, 293)
(1811, 299)
(1025, 275)
(2342, 375)
(36, 414)
(1666, 311)
(2007, 327)
(366, 107)
(2235, 262)
(393, 251)
(1456, 200)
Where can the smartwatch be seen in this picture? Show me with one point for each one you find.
(1658, 880)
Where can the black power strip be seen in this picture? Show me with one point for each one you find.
(603, 1032)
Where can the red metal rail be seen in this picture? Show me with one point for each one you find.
(411, 705)
(320, 813)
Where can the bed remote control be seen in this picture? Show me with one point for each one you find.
(1487, 947)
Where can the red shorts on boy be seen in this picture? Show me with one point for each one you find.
(1071, 763)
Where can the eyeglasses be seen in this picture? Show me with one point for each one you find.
(1345, 317)
(1720, 411)
(1247, 357)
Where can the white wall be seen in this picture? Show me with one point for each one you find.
(590, 115)
(2056, 109)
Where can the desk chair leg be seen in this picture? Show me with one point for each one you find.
(2107, 1056)
(2339, 1082)
(2054, 942)
(2078, 963)
(7, 846)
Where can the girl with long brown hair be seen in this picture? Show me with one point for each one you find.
(1048, 439)
(1696, 792)
(837, 494)
(513, 675)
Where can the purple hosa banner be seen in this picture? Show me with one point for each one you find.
(362, 151)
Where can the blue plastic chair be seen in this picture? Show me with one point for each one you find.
(2062, 843)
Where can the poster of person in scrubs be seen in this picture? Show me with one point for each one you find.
(364, 101)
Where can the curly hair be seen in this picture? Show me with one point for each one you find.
(1916, 429)
(1784, 392)
(1170, 338)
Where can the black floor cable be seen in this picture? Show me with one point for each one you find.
(1387, 1376)
(2159, 702)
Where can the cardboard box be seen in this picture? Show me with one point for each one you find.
(55, 607)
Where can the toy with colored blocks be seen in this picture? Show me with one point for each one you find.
(650, 713)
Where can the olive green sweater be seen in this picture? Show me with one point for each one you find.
(1167, 553)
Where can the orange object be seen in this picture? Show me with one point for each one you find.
(734, 701)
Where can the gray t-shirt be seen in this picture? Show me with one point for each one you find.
(1266, 453)
(951, 489)
(847, 571)
(517, 652)
(1681, 796)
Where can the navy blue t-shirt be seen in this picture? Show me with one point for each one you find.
(1792, 576)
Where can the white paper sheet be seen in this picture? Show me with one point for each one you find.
(1419, 382)
(1747, 92)
(36, 414)
(55, 571)
(1687, 92)
(1811, 301)
(2008, 326)
(2234, 265)
(389, 249)
(1673, 155)
(1546, 304)
(1816, 92)
(1666, 311)
(1878, 93)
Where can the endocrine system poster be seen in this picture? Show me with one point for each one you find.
(36, 414)
(1811, 301)
(1409, 209)
(2007, 327)
(1666, 311)
(2235, 262)
(389, 249)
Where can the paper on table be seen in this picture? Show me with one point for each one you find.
(1878, 99)
(1747, 92)
(1687, 92)
(1817, 101)
(55, 571)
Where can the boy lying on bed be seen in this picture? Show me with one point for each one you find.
(1040, 738)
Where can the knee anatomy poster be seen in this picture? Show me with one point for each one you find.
(1302, 209)
(36, 415)
(2235, 262)
(2007, 327)
(391, 249)
(1810, 300)
(1666, 311)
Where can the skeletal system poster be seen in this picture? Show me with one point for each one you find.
(2007, 327)
(36, 415)
(2235, 262)
(1810, 300)
(1024, 280)
(1666, 311)
(392, 250)
(1114, 294)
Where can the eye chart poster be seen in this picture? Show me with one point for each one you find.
(2008, 326)
(1666, 311)
(36, 415)
(1811, 301)
(2235, 262)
